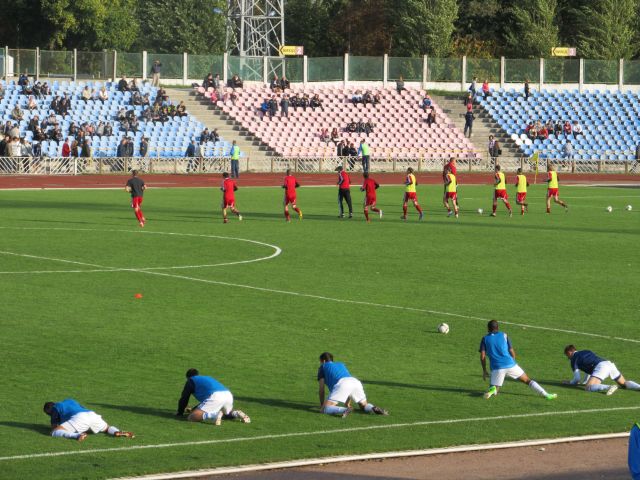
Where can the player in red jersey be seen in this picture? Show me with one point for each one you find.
(229, 188)
(500, 191)
(369, 187)
(290, 184)
(448, 168)
(136, 187)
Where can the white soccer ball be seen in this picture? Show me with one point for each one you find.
(629, 208)
(480, 211)
(609, 209)
(443, 328)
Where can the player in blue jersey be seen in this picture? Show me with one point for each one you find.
(71, 420)
(502, 359)
(597, 369)
(216, 401)
(343, 388)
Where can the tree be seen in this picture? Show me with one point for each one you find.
(531, 30)
(478, 28)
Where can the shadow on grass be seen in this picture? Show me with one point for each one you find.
(436, 388)
(279, 403)
(34, 427)
(156, 412)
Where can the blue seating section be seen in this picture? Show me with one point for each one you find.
(610, 121)
(165, 140)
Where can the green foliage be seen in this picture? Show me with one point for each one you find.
(532, 31)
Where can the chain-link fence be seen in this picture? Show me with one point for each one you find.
(325, 69)
(409, 68)
(484, 69)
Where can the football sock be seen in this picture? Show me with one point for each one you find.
(494, 208)
(375, 209)
(366, 214)
(209, 416)
(112, 431)
(508, 205)
(297, 210)
(334, 410)
(286, 213)
(597, 387)
(404, 210)
(537, 388)
(65, 434)
(369, 407)
(631, 385)
(418, 208)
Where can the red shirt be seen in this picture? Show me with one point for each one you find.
(290, 184)
(369, 187)
(449, 166)
(229, 187)
(344, 182)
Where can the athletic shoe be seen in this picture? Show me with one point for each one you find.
(551, 396)
(421, 216)
(351, 215)
(457, 215)
(300, 215)
(243, 416)
(82, 437)
(219, 418)
(379, 411)
(380, 213)
(490, 393)
(511, 213)
(449, 213)
(141, 224)
(288, 220)
(341, 215)
(125, 434)
(240, 218)
(493, 214)
(226, 220)
(403, 217)
(612, 389)
(347, 412)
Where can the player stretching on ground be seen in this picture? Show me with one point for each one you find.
(71, 420)
(597, 370)
(216, 401)
(369, 187)
(449, 167)
(500, 192)
(229, 188)
(344, 191)
(136, 187)
(343, 388)
(521, 196)
(553, 189)
(502, 358)
(410, 183)
(451, 187)
(290, 184)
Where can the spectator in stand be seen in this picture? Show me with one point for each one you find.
(275, 84)
(567, 151)
(491, 146)
(469, 117)
(486, 91)
(15, 148)
(273, 106)
(527, 89)
(14, 131)
(136, 99)
(208, 81)
(567, 129)
(468, 102)
(123, 85)
(431, 117)
(363, 150)
(557, 129)
(366, 98)
(100, 129)
(213, 136)
(351, 127)
(549, 127)
(426, 103)
(473, 88)
(341, 146)
(193, 151)
(66, 148)
(86, 94)
(531, 131)
(1, 91)
(543, 133)
(108, 130)
(316, 103)
(37, 90)
(63, 107)
(368, 127)
(294, 101)
(144, 147)
(204, 136)
(17, 113)
(304, 102)
(181, 109)
(156, 68)
(353, 153)
(284, 106)
(133, 125)
(400, 85)
(103, 95)
(121, 151)
(23, 79)
(577, 129)
(7, 127)
(324, 135)
(335, 136)
(235, 82)
(45, 89)
(356, 97)
(284, 83)
(32, 104)
(37, 149)
(85, 149)
(217, 84)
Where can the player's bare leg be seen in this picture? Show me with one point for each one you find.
(524, 207)
(627, 384)
(297, 210)
(377, 210)
(224, 216)
(548, 204)
(139, 216)
(560, 202)
(366, 214)
(404, 211)
(456, 209)
(508, 205)
(330, 407)
(494, 207)
(235, 211)
(287, 217)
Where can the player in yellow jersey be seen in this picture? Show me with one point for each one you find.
(521, 185)
(553, 189)
(451, 185)
(500, 191)
(410, 193)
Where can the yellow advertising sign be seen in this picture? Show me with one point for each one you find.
(563, 51)
(291, 50)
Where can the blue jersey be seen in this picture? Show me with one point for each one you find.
(497, 345)
(206, 386)
(634, 452)
(585, 360)
(332, 372)
(66, 409)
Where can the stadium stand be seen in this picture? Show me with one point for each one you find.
(609, 122)
(399, 123)
(168, 139)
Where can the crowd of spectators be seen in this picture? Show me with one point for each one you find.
(542, 131)
(367, 97)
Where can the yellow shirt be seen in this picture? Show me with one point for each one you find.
(501, 185)
(522, 184)
(451, 187)
(553, 179)
(410, 183)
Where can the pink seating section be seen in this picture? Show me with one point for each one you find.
(400, 129)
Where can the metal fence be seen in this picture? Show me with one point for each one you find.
(209, 165)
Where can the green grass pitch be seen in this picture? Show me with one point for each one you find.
(84, 335)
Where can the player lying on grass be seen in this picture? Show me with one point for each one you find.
(216, 401)
(343, 388)
(502, 359)
(71, 420)
(597, 369)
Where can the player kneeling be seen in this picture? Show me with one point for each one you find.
(343, 388)
(216, 401)
(71, 420)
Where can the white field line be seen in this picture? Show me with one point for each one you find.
(425, 423)
(373, 456)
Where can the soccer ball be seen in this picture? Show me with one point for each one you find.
(629, 208)
(609, 209)
(443, 328)
(480, 212)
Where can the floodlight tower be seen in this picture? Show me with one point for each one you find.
(255, 28)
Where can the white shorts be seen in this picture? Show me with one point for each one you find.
(85, 421)
(606, 370)
(346, 388)
(497, 376)
(216, 402)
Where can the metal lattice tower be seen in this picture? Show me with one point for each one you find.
(255, 28)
